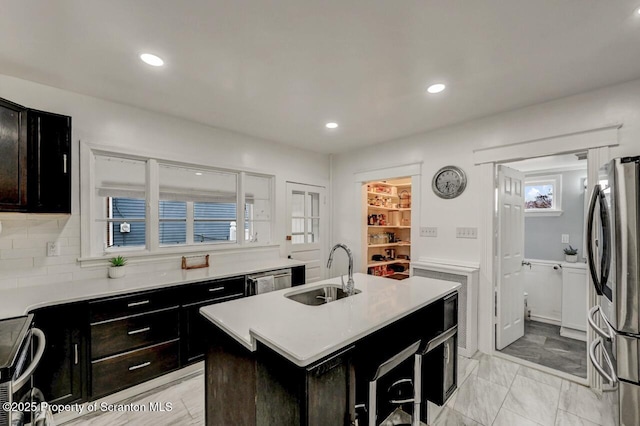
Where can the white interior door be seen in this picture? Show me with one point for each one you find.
(306, 227)
(510, 285)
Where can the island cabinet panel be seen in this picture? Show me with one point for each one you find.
(230, 381)
(62, 372)
(264, 387)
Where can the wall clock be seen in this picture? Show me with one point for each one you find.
(449, 182)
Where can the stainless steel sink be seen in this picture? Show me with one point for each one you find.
(320, 295)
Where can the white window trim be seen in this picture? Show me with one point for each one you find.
(153, 250)
(556, 181)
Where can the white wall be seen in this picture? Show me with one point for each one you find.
(455, 145)
(542, 234)
(543, 283)
(23, 240)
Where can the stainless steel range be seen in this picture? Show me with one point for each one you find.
(613, 238)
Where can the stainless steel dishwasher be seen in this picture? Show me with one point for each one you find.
(260, 282)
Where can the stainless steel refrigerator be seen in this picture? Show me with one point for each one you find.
(613, 238)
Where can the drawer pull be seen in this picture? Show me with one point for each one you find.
(131, 305)
(144, 364)
(216, 289)
(142, 330)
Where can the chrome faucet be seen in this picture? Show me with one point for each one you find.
(350, 287)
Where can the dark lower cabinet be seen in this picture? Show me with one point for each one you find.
(194, 328)
(298, 275)
(101, 346)
(119, 372)
(62, 372)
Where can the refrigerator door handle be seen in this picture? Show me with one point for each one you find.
(590, 318)
(590, 255)
(612, 378)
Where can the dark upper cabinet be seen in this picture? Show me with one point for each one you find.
(35, 160)
(49, 162)
(13, 156)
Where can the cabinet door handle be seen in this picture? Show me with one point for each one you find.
(216, 289)
(75, 353)
(131, 305)
(446, 353)
(141, 330)
(144, 364)
(64, 163)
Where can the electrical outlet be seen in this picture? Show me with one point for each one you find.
(565, 238)
(53, 248)
(467, 233)
(428, 231)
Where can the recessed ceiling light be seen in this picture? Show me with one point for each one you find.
(638, 11)
(331, 125)
(436, 88)
(198, 174)
(152, 60)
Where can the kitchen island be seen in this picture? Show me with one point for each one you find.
(274, 360)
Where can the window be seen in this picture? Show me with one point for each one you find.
(197, 205)
(543, 195)
(257, 208)
(305, 212)
(119, 203)
(194, 206)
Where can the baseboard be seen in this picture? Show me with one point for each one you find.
(546, 320)
(572, 333)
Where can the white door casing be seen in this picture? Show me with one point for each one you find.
(306, 228)
(510, 254)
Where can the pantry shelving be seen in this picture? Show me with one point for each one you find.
(387, 227)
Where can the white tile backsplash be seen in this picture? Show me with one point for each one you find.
(24, 261)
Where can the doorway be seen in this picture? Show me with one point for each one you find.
(542, 281)
(306, 228)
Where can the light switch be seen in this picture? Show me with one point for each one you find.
(467, 233)
(428, 231)
(565, 238)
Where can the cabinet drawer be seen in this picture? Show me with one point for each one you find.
(123, 306)
(112, 337)
(122, 371)
(209, 290)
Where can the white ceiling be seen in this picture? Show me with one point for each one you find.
(280, 69)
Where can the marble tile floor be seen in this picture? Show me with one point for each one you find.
(498, 392)
(491, 392)
(542, 344)
(186, 397)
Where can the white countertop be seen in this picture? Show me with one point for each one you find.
(304, 334)
(15, 302)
